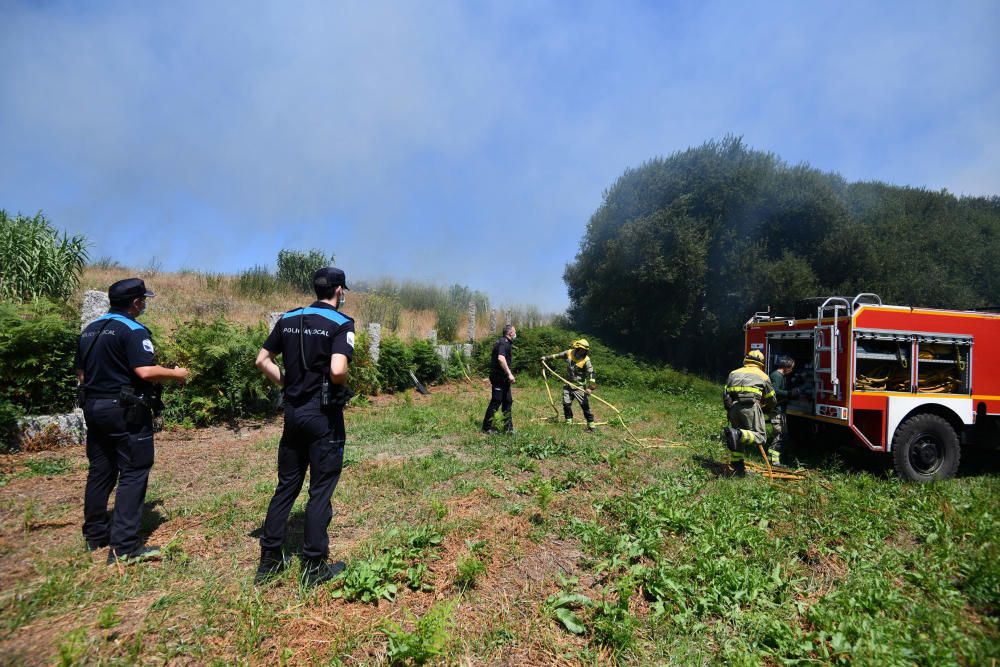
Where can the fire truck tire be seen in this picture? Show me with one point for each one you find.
(924, 448)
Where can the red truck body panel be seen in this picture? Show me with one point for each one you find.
(885, 363)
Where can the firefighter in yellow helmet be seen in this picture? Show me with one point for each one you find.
(747, 396)
(581, 372)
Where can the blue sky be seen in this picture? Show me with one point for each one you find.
(459, 142)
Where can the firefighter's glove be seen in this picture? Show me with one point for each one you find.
(727, 402)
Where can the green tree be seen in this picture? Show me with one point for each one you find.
(684, 249)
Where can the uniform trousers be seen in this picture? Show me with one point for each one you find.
(779, 422)
(500, 397)
(569, 393)
(313, 439)
(119, 453)
(747, 416)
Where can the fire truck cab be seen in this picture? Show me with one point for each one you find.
(917, 383)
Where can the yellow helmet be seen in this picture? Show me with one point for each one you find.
(755, 357)
(581, 344)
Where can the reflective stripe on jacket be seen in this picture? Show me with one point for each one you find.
(749, 383)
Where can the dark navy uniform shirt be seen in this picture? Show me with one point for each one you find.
(109, 348)
(497, 374)
(326, 332)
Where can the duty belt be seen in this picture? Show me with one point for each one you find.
(87, 395)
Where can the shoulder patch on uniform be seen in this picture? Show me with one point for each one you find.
(350, 339)
(147, 345)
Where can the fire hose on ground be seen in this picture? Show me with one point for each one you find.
(548, 369)
(765, 471)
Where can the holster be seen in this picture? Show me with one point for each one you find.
(138, 408)
(334, 396)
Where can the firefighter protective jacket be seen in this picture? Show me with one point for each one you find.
(750, 384)
(579, 371)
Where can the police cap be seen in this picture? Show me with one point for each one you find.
(330, 276)
(130, 288)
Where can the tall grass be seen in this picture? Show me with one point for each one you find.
(256, 282)
(296, 268)
(35, 261)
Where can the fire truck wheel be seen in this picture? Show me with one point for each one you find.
(925, 447)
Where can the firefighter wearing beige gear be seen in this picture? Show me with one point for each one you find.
(747, 396)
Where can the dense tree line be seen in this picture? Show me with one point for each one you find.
(684, 249)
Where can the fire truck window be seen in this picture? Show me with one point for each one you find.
(882, 365)
(942, 368)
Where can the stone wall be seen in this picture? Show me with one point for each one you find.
(94, 305)
(44, 431)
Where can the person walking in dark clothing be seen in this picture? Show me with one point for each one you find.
(317, 344)
(119, 393)
(501, 379)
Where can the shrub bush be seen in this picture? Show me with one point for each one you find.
(256, 282)
(9, 415)
(454, 366)
(394, 364)
(35, 262)
(224, 384)
(612, 368)
(297, 268)
(383, 309)
(427, 365)
(363, 376)
(37, 351)
(448, 318)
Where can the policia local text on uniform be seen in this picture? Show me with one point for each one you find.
(119, 393)
(317, 344)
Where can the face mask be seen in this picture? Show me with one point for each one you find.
(142, 308)
(342, 301)
(513, 337)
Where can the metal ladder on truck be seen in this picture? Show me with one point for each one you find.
(827, 339)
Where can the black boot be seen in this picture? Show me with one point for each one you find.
(318, 571)
(94, 545)
(731, 438)
(272, 562)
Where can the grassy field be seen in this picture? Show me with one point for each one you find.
(552, 546)
(186, 295)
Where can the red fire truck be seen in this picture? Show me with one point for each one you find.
(915, 382)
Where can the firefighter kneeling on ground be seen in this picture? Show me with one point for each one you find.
(748, 394)
(581, 372)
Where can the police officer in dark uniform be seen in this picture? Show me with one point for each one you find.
(317, 344)
(501, 379)
(119, 392)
